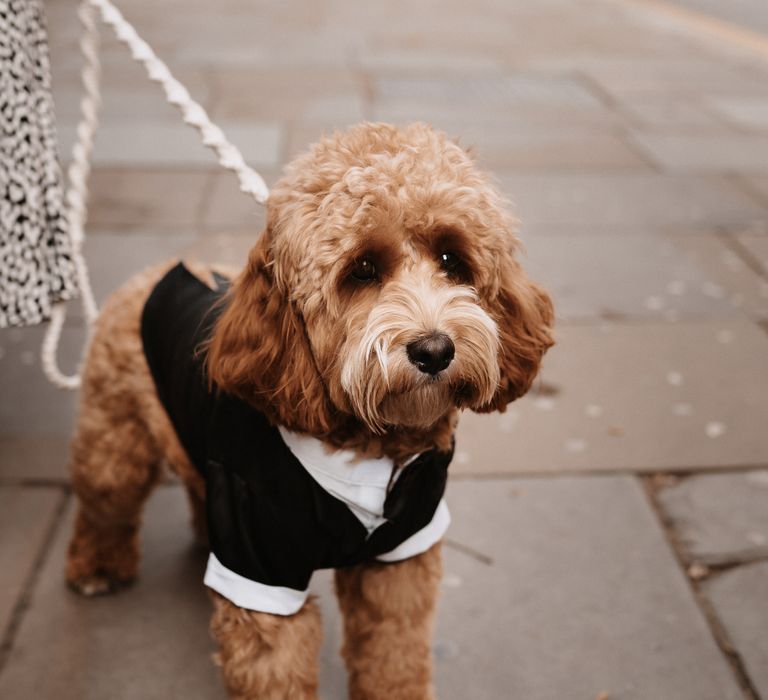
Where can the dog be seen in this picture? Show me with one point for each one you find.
(309, 404)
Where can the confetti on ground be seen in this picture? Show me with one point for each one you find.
(714, 429)
(576, 445)
(682, 409)
(676, 287)
(452, 581)
(760, 478)
(713, 290)
(724, 336)
(698, 571)
(732, 260)
(654, 303)
(593, 410)
(544, 403)
(462, 457)
(674, 378)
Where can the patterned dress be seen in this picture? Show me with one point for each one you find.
(36, 268)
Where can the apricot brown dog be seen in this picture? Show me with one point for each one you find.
(309, 405)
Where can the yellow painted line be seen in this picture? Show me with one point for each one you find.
(702, 24)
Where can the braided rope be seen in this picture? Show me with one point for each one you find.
(76, 197)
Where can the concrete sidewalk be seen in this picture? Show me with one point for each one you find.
(610, 531)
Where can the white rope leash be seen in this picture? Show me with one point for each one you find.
(76, 197)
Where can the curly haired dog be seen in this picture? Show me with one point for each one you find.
(382, 298)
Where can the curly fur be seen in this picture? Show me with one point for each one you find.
(321, 353)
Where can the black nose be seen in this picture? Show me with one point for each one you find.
(431, 353)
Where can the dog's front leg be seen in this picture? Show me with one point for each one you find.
(267, 657)
(388, 611)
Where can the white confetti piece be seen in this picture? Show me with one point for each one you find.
(676, 288)
(713, 290)
(462, 457)
(732, 260)
(760, 478)
(544, 403)
(682, 409)
(28, 358)
(724, 336)
(674, 378)
(576, 445)
(593, 410)
(654, 303)
(452, 581)
(714, 429)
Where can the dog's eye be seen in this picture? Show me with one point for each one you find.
(364, 270)
(449, 262)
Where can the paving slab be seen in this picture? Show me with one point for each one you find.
(162, 144)
(547, 148)
(36, 418)
(740, 599)
(150, 641)
(719, 518)
(25, 516)
(747, 113)
(731, 275)
(757, 245)
(668, 114)
(131, 199)
(566, 588)
(543, 588)
(717, 151)
(640, 274)
(625, 396)
(492, 90)
(455, 118)
(113, 257)
(229, 208)
(616, 201)
(759, 186)
(654, 79)
(318, 95)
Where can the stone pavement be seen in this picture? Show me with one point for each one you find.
(610, 536)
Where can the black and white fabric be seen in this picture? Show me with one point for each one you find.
(36, 268)
(279, 504)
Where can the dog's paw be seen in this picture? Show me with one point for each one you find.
(92, 586)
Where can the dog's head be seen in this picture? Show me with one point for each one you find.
(385, 288)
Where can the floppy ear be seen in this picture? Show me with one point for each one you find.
(259, 350)
(524, 314)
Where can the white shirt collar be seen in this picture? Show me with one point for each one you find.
(360, 483)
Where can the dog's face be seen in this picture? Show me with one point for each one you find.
(384, 287)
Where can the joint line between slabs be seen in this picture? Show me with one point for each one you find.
(703, 25)
(716, 628)
(25, 597)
